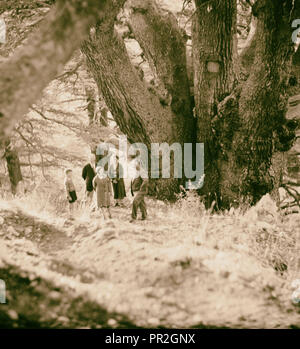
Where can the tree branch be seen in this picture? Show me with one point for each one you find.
(164, 47)
(137, 111)
(23, 78)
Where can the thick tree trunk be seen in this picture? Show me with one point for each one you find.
(13, 167)
(296, 58)
(91, 104)
(215, 58)
(103, 116)
(247, 54)
(32, 67)
(262, 106)
(138, 112)
(249, 126)
(296, 68)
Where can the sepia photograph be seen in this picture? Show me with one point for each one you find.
(149, 168)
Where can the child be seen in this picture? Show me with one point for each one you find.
(70, 189)
(102, 185)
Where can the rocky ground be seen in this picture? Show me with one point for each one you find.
(176, 270)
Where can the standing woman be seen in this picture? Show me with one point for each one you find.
(118, 183)
(102, 185)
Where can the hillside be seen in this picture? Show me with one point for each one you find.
(184, 267)
(176, 270)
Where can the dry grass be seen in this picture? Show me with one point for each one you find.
(183, 267)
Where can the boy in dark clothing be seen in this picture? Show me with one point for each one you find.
(139, 185)
(88, 174)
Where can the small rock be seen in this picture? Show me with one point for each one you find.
(296, 283)
(1, 220)
(267, 204)
(112, 322)
(63, 319)
(54, 295)
(11, 230)
(28, 230)
(122, 309)
(153, 322)
(197, 319)
(224, 274)
(264, 226)
(13, 314)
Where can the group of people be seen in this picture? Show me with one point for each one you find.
(105, 180)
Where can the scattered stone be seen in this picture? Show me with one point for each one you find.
(264, 226)
(54, 295)
(122, 308)
(112, 322)
(1, 220)
(266, 206)
(224, 274)
(63, 319)
(153, 322)
(13, 314)
(28, 230)
(196, 319)
(11, 230)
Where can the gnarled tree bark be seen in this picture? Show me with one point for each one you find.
(264, 130)
(163, 44)
(215, 73)
(13, 166)
(138, 112)
(249, 127)
(32, 67)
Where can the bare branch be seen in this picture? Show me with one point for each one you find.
(40, 61)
